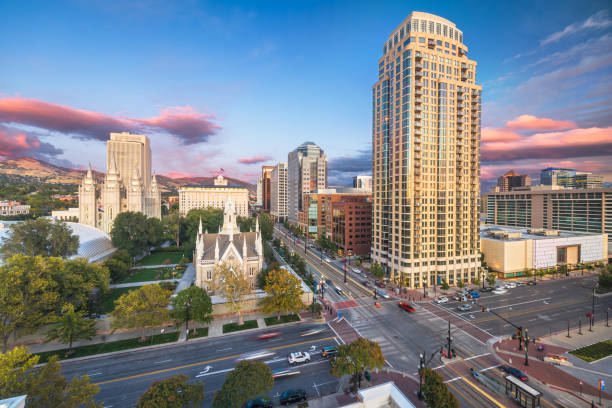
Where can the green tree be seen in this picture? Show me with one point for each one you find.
(435, 391)
(445, 286)
(192, 303)
(476, 281)
(528, 272)
(245, 224)
(354, 358)
(76, 278)
(460, 284)
(172, 227)
(118, 270)
(260, 279)
(248, 380)
(173, 392)
(377, 270)
(563, 270)
(212, 218)
(284, 293)
(40, 237)
(233, 285)
(130, 231)
(605, 278)
(28, 296)
(491, 279)
(266, 226)
(71, 326)
(141, 308)
(44, 386)
(155, 232)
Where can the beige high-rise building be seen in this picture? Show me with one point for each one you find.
(214, 196)
(278, 192)
(127, 186)
(306, 172)
(426, 155)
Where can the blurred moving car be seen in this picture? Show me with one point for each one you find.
(256, 355)
(355, 270)
(465, 307)
(381, 293)
(407, 307)
(515, 372)
(441, 299)
(258, 403)
(284, 372)
(380, 284)
(268, 336)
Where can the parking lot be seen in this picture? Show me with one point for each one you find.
(544, 308)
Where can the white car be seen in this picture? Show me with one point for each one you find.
(510, 285)
(326, 259)
(500, 291)
(355, 270)
(381, 293)
(441, 299)
(299, 357)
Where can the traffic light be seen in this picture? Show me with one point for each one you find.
(484, 309)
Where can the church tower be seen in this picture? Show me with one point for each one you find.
(154, 199)
(135, 193)
(111, 197)
(230, 227)
(87, 200)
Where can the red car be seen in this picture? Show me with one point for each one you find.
(268, 336)
(380, 284)
(407, 307)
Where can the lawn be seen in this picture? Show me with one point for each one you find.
(271, 321)
(595, 351)
(108, 301)
(233, 327)
(109, 347)
(161, 258)
(202, 332)
(146, 275)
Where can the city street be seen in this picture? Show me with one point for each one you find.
(122, 378)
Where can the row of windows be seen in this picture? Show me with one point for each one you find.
(425, 26)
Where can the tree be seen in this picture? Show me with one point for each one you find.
(131, 232)
(28, 296)
(40, 237)
(141, 308)
(354, 358)
(248, 380)
(172, 227)
(233, 285)
(528, 273)
(605, 278)
(445, 286)
(491, 279)
(173, 392)
(192, 303)
(155, 232)
(71, 326)
(435, 391)
(260, 279)
(44, 386)
(212, 218)
(460, 284)
(266, 226)
(476, 281)
(118, 270)
(245, 224)
(76, 278)
(284, 293)
(563, 270)
(377, 270)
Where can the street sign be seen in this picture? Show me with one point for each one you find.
(602, 385)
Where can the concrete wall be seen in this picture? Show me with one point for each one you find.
(508, 256)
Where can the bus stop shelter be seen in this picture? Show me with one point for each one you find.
(525, 395)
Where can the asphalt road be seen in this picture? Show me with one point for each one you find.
(543, 309)
(124, 377)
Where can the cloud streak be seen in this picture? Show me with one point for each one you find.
(599, 20)
(184, 123)
(16, 143)
(254, 159)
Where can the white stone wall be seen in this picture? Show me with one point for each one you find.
(545, 250)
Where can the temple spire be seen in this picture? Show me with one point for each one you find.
(200, 227)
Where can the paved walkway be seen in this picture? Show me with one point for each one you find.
(184, 281)
(153, 266)
(132, 284)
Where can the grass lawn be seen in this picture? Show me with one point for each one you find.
(109, 347)
(271, 321)
(233, 327)
(202, 332)
(161, 258)
(146, 275)
(108, 301)
(595, 351)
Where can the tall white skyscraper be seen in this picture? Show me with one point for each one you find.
(306, 172)
(278, 196)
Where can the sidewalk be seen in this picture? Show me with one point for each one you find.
(153, 266)
(132, 284)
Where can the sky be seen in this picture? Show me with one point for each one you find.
(236, 85)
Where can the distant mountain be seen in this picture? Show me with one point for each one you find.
(26, 169)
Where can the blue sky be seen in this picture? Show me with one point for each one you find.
(215, 82)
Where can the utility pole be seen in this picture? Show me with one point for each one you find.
(448, 352)
(526, 340)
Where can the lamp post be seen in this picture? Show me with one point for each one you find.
(526, 340)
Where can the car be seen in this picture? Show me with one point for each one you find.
(268, 336)
(520, 284)
(515, 372)
(355, 270)
(474, 295)
(363, 274)
(343, 260)
(299, 357)
(465, 307)
(380, 284)
(510, 285)
(284, 372)
(326, 259)
(441, 299)
(258, 403)
(329, 282)
(457, 297)
(329, 352)
(500, 291)
(487, 289)
(256, 355)
(407, 307)
(291, 396)
(338, 290)
(381, 293)
(531, 283)
(365, 283)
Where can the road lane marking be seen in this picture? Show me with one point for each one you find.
(388, 363)
(163, 361)
(214, 372)
(468, 400)
(480, 355)
(535, 310)
(131, 377)
(489, 368)
(225, 349)
(452, 379)
(92, 374)
(477, 388)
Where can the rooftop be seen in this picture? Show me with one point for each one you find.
(503, 233)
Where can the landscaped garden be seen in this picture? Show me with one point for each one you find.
(233, 327)
(147, 275)
(271, 321)
(202, 332)
(161, 258)
(108, 301)
(595, 351)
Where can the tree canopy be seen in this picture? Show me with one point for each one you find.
(192, 303)
(354, 358)
(284, 293)
(173, 392)
(135, 233)
(40, 237)
(233, 286)
(71, 326)
(212, 218)
(437, 394)
(118, 265)
(248, 380)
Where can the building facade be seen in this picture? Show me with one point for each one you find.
(570, 178)
(243, 251)
(125, 188)
(306, 172)
(512, 179)
(10, 208)
(426, 154)
(278, 192)
(71, 214)
(351, 224)
(214, 196)
(259, 199)
(266, 192)
(363, 182)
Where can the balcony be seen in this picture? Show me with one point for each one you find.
(418, 108)
(463, 105)
(417, 148)
(417, 164)
(418, 140)
(460, 120)
(418, 116)
(460, 112)
(418, 74)
(461, 98)
(475, 116)
(418, 132)
(418, 65)
(418, 124)
(464, 65)
(418, 92)
(475, 92)
(431, 43)
(418, 100)
(460, 89)
(418, 83)
(418, 55)
(417, 156)
(464, 77)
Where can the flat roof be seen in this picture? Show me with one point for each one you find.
(486, 228)
(525, 387)
(212, 187)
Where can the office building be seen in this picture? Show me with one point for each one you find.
(214, 196)
(306, 172)
(511, 251)
(426, 155)
(512, 180)
(570, 178)
(259, 201)
(278, 192)
(10, 208)
(363, 182)
(266, 172)
(71, 214)
(128, 184)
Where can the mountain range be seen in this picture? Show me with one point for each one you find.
(28, 168)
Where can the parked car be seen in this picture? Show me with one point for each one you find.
(515, 372)
(299, 357)
(500, 291)
(406, 306)
(487, 289)
(329, 352)
(520, 284)
(365, 283)
(380, 284)
(355, 270)
(381, 293)
(465, 307)
(326, 259)
(474, 295)
(510, 285)
(441, 299)
(258, 403)
(530, 282)
(291, 396)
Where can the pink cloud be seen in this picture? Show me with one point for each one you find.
(254, 159)
(16, 143)
(490, 134)
(530, 122)
(184, 123)
(178, 174)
